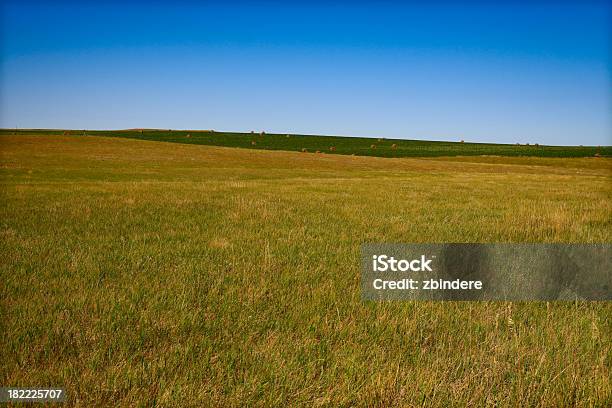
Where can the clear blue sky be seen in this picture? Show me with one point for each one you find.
(510, 72)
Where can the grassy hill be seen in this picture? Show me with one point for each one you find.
(152, 274)
(359, 146)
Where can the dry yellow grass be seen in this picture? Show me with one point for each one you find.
(143, 273)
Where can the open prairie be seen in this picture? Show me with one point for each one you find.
(137, 273)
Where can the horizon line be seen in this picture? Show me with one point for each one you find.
(460, 141)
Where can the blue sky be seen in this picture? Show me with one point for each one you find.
(497, 72)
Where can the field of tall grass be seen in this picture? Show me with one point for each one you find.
(139, 273)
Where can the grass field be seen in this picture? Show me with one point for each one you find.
(359, 146)
(138, 273)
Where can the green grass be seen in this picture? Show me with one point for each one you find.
(359, 146)
(137, 273)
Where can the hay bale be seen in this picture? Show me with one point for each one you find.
(394, 146)
(332, 149)
(253, 143)
(288, 136)
(462, 141)
(373, 146)
(597, 155)
(188, 134)
(318, 151)
(380, 140)
(304, 150)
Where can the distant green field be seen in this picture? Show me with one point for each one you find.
(359, 146)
